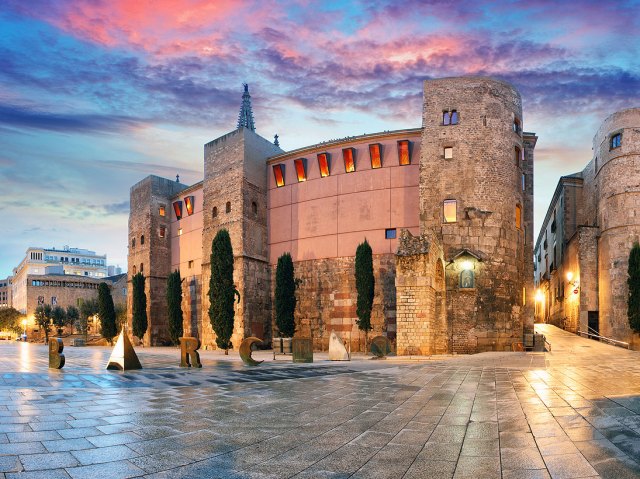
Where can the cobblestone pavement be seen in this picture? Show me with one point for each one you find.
(574, 412)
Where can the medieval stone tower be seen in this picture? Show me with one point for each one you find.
(476, 175)
(150, 249)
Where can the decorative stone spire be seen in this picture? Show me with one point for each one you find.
(275, 140)
(245, 119)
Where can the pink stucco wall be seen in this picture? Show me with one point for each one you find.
(328, 217)
(187, 246)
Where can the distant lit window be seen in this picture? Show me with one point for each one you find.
(518, 216)
(163, 231)
(214, 211)
(179, 231)
(142, 239)
(349, 157)
(404, 152)
(616, 140)
(517, 156)
(301, 170)
(323, 164)
(390, 233)
(228, 207)
(375, 152)
(177, 209)
(278, 173)
(450, 117)
(448, 153)
(161, 210)
(450, 210)
(188, 204)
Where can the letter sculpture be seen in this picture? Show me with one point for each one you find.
(337, 351)
(189, 356)
(380, 347)
(56, 358)
(245, 351)
(123, 356)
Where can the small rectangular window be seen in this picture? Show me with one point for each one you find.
(616, 140)
(348, 155)
(190, 263)
(161, 210)
(163, 231)
(404, 152)
(448, 153)
(524, 183)
(188, 204)
(177, 209)
(450, 117)
(375, 152)
(516, 126)
(179, 231)
(517, 156)
(519, 217)
(390, 233)
(278, 173)
(301, 170)
(450, 209)
(323, 164)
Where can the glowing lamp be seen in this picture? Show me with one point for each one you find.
(467, 265)
(539, 296)
(569, 275)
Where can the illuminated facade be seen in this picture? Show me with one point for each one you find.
(446, 208)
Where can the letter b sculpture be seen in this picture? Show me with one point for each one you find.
(56, 358)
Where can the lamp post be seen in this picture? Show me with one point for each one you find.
(24, 327)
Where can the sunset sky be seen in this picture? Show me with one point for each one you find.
(97, 94)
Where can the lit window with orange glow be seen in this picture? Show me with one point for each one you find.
(348, 154)
(375, 152)
(161, 210)
(188, 203)
(450, 210)
(323, 164)
(177, 209)
(404, 156)
(519, 217)
(278, 173)
(301, 170)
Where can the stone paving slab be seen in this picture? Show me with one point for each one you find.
(574, 412)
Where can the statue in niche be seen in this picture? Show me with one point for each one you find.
(467, 279)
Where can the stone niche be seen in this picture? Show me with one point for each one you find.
(420, 296)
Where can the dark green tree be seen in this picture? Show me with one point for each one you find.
(139, 310)
(365, 285)
(285, 296)
(43, 319)
(107, 313)
(174, 306)
(88, 308)
(121, 315)
(222, 292)
(73, 315)
(59, 317)
(11, 320)
(633, 304)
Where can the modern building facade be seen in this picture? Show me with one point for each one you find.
(582, 252)
(447, 209)
(5, 292)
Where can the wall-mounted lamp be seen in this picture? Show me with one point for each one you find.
(466, 265)
(539, 296)
(574, 284)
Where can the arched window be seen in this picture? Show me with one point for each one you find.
(133, 242)
(134, 269)
(142, 239)
(254, 208)
(228, 207)
(467, 279)
(141, 267)
(214, 212)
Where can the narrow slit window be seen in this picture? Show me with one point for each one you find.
(616, 140)
(516, 126)
(278, 173)
(323, 164)
(228, 207)
(390, 233)
(301, 170)
(519, 217)
(375, 152)
(163, 231)
(518, 156)
(454, 117)
(450, 210)
(446, 118)
(142, 239)
(214, 212)
(448, 152)
(161, 210)
(188, 204)
(348, 155)
(404, 153)
(524, 182)
(254, 208)
(177, 209)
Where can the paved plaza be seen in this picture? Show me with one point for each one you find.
(571, 413)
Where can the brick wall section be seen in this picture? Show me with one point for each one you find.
(327, 300)
(487, 183)
(155, 254)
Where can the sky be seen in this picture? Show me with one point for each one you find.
(97, 94)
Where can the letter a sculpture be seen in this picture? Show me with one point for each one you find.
(56, 358)
(123, 356)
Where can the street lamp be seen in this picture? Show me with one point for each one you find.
(539, 296)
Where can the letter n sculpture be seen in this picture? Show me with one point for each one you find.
(56, 358)
(189, 356)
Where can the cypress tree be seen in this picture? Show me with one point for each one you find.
(633, 303)
(365, 285)
(139, 310)
(174, 306)
(285, 296)
(222, 291)
(107, 313)
(43, 319)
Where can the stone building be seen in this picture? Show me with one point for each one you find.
(447, 209)
(582, 252)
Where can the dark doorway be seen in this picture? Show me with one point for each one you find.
(594, 324)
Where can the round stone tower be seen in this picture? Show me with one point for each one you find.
(475, 187)
(616, 148)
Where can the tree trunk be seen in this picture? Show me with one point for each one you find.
(226, 352)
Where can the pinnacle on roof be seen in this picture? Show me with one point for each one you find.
(245, 119)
